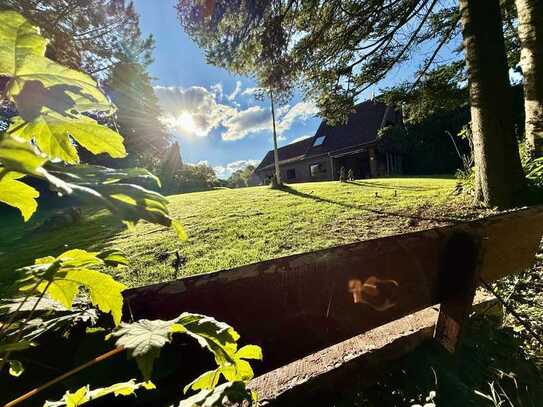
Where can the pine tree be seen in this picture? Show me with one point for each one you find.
(340, 48)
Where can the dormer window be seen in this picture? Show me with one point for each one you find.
(319, 141)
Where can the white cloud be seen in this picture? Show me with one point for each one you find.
(217, 90)
(198, 111)
(300, 138)
(236, 91)
(250, 91)
(300, 111)
(224, 171)
(252, 120)
(193, 110)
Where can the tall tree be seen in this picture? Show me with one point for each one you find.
(340, 48)
(530, 29)
(499, 173)
(138, 112)
(83, 34)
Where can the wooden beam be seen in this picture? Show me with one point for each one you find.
(296, 305)
(460, 276)
(358, 361)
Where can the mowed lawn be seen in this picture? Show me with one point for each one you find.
(232, 227)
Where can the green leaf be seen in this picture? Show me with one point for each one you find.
(14, 347)
(83, 395)
(113, 258)
(230, 392)
(105, 292)
(218, 337)
(100, 174)
(239, 370)
(180, 230)
(62, 277)
(16, 368)
(76, 258)
(93, 185)
(18, 194)
(18, 38)
(143, 340)
(207, 380)
(53, 134)
(22, 51)
(79, 87)
(19, 156)
(250, 352)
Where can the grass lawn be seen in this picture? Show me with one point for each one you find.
(232, 227)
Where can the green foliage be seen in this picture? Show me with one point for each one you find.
(534, 171)
(52, 102)
(95, 185)
(89, 34)
(18, 39)
(138, 112)
(236, 369)
(225, 394)
(16, 368)
(62, 277)
(440, 91)
(50, 98)
(53, 134)
(336, 49)
(144, 338)
(490, 355)
(240, 178)
(19, 156)
(192, 178)
(18, 194)
(84, 394)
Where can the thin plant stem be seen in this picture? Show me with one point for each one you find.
(5, 326)
(20, 331)
(57, 379)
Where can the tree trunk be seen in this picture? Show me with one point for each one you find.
(500, 175)
(530, 30)
(275, 151)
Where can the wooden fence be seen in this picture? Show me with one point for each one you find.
(296, 305)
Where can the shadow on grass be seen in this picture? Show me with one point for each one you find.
(295, 192)
(45, 235)
(380, 185)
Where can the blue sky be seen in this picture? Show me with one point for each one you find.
(212, 113)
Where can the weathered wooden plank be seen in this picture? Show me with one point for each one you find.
(295, 305)
(357, 361)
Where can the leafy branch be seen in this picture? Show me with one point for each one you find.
(56, 107)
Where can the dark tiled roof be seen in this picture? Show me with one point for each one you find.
(361, 128)
(289, 152)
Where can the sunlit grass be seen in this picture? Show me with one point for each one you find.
(232, 227)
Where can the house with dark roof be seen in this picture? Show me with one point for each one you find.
(353, 146)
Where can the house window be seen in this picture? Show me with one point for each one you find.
(319, 141)
(291, 173)
(317, 169)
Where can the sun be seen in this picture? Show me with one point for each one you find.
(186, 122)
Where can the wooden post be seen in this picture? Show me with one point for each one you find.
(461, 264)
